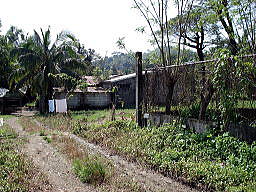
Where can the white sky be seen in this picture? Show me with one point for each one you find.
(96, 23)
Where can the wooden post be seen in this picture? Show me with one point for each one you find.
(139, 84)
(145, 92)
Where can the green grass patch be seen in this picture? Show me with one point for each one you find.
(6, 133)
(47, 139)
(90, 170)
(5, 117)
(250, 104)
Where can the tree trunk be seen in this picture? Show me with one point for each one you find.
(42, 104)
(170, 88)
(205, 100)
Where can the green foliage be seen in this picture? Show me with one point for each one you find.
(232, 80)
(42, 133)
(13, 169)
(79, 126)
(90, 170)
(47, 139)
(7, 133)
(119, 63)
(218, 161)
(190, 111)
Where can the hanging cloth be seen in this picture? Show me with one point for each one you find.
(61, 105)
(51, 106)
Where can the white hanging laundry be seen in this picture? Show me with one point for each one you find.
(51, 106)
(1, 122)
(61, 105)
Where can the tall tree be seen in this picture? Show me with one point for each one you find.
(156, 14)
(13, 38)
(40, 60)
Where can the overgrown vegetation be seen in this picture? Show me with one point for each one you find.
(212, 160)
(16, 173)
(216, 161)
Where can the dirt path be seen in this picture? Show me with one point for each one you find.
(50, 162)
(150, 180)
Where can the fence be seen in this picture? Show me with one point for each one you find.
(203, 90)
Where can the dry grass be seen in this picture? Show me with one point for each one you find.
(30, 126)
(57, 122)
(37, 181)
(68, 147)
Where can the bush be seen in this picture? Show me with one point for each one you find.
(90, 170)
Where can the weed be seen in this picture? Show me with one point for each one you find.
(42, 133)
(47, 139)
(78, 127)
(90, 170)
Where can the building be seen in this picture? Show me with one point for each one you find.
(92, 97)
(10, 101)
(125, 89)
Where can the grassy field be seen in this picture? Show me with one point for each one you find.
(211, 161)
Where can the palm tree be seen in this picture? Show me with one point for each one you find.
(40, 60)
(8, 41)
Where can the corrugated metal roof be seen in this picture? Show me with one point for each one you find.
(120, 78)
(90, 80)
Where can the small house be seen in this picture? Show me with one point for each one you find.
(83, 99)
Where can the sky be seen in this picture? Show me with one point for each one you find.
(98, 24)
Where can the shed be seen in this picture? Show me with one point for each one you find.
(126, 88)
(10, 101)
(93, 97)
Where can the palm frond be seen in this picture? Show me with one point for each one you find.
(30, 61)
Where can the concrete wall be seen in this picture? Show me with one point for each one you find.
(243, 132)
(98, 99)
(84, 100)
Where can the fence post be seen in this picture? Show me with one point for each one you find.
(139, 84)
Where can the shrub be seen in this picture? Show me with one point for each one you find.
(90, 170)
